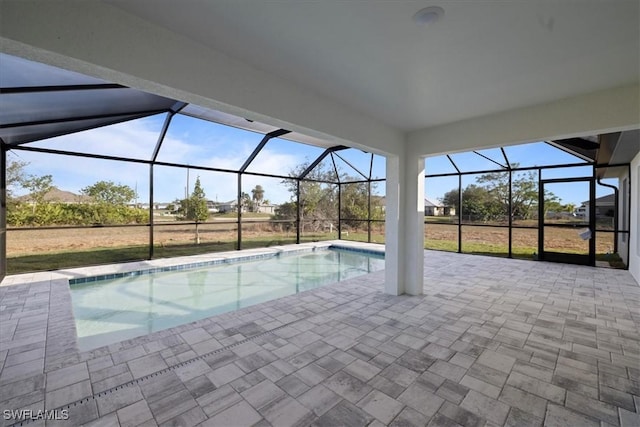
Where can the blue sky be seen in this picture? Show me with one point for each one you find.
(198, 142)
(526, 155)
(189, 141)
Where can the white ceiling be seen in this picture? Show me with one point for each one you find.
(483, 57)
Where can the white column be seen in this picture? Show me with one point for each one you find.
(404, 231)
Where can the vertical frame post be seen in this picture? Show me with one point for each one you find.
(592, 217)
(154, 156)
(151, 227)
(510, 213)
(540, 216)
(298, 207)
(460, 213)
(369, 211)
(239, 242)
(339, 211)
(3, 211)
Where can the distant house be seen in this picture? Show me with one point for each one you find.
(212, 206)
(431, 208)
(267, 209)
(605, 207)
(230, 206)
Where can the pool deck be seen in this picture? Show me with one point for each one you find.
(491, 342)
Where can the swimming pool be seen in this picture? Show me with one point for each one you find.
(108, 310)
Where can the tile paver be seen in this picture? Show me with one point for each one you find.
(491, 342)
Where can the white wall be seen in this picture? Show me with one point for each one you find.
(623, 214)
(604, 111)
(634, 219)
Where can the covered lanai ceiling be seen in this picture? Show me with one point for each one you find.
(360, 73)
(39, 101)
(481, 57)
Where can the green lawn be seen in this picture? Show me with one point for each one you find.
(98, 256)
(503, 251)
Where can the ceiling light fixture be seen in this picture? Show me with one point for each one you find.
(428, 16)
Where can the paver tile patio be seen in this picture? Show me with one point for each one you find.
(491, 342)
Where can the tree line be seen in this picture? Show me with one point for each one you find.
(110, 203)
(104, 203)
(319, 200)
(488, 198)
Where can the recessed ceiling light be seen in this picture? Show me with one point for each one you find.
(428, 16)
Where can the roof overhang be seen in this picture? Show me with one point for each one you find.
(39, 101)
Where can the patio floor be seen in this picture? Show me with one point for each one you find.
(491, 342)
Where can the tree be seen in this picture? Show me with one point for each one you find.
(245, 202)
(524, 191)
(478, 204)
(257, 197)
(195, 208)
(551, 203)
(110, 193)
(488, 200)
(38, 187)
(318, 201)
(15, 176)
(355, 204)
(569, 208)
(287, 211)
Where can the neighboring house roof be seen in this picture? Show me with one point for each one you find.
(57, 195)
(430, 203)
(609, 199)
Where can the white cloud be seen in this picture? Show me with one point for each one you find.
(137, 139)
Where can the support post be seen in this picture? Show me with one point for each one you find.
(404, 225)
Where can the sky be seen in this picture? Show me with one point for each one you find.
(197, 142)
(525, 155)
(189, 141)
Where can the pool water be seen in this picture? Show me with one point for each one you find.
(109, 311)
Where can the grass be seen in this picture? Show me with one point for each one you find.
(480, 248)
(480, 241)
(614, 260)
(81, 258)
(363, 237)
(234, 215)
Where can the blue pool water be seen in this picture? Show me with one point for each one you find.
(109, 311)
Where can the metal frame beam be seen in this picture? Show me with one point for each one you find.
(263, 142)
(134, 115)
(350, 165)
(59, 88)
(490, 159)
(320, 158)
